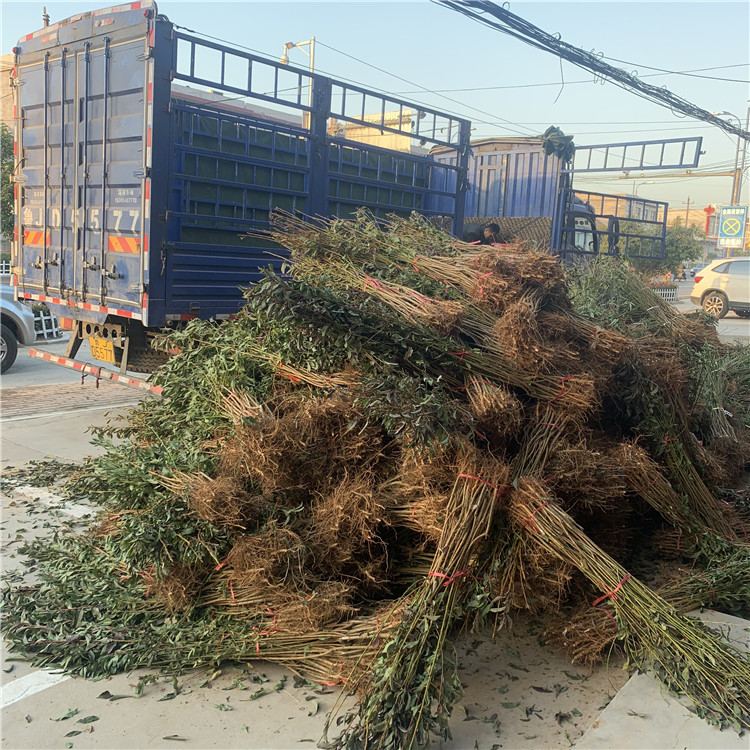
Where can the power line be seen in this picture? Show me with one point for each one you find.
(422, 88)
(688, 73)
(523, 132)
(515, 26)
(557, 83)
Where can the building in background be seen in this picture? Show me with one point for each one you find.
(6, 93)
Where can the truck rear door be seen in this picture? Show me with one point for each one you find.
(82, 110)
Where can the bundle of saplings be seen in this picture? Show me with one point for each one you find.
(403, 436)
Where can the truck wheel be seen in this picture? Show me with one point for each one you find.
(8, 348)
(143, 359)
(716, 303)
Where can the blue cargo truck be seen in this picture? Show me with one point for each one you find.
(145, 153)
(531, 194)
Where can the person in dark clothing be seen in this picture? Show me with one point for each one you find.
(490, 234)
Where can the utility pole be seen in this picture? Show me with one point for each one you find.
(741, 171)
(687, 212)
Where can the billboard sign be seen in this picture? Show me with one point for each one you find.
(731, 226)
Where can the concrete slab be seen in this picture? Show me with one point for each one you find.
(50, 436)
(643, 715)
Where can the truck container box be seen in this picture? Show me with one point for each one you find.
(147, 155)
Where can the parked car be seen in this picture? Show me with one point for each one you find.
(17, 327)
(697, 267)
(723, 285)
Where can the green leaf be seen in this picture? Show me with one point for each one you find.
(511, 705)
(73, 733)
(223, 707)
(67, 715)
(175, 738)
(88, 720)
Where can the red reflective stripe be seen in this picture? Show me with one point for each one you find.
(151, 38)
(145, 243)
(147, 189)
(15, 148)
(135, 6)
(28, 36)
(150, 92)
(148, 138)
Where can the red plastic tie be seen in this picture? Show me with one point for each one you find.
(530, 519)
(222, 564)
(549, 424)
(148, 591)
(713, 590)
(651, 483)
(484, 437)
(563, 380)
(460, 355)
(614, 622)
(479, 479)
(611, 594)
(448, 580)
(289, 375)
(668, 439)
(231, 592)
(374, 282)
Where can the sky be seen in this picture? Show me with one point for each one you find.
(431, 55)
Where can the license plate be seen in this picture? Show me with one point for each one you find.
(102, 349)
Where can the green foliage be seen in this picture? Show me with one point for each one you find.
(681, 245)
(556, 142)
(6, 184)
(94, 621)
(416, 409)
(607, 291)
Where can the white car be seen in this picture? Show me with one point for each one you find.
(723, 285)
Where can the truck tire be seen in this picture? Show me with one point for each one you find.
(8, 348)
(143, 359)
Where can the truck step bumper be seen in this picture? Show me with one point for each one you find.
(98, 372)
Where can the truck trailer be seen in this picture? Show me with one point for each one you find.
(145, 153)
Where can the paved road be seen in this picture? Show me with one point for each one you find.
(731, 328)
